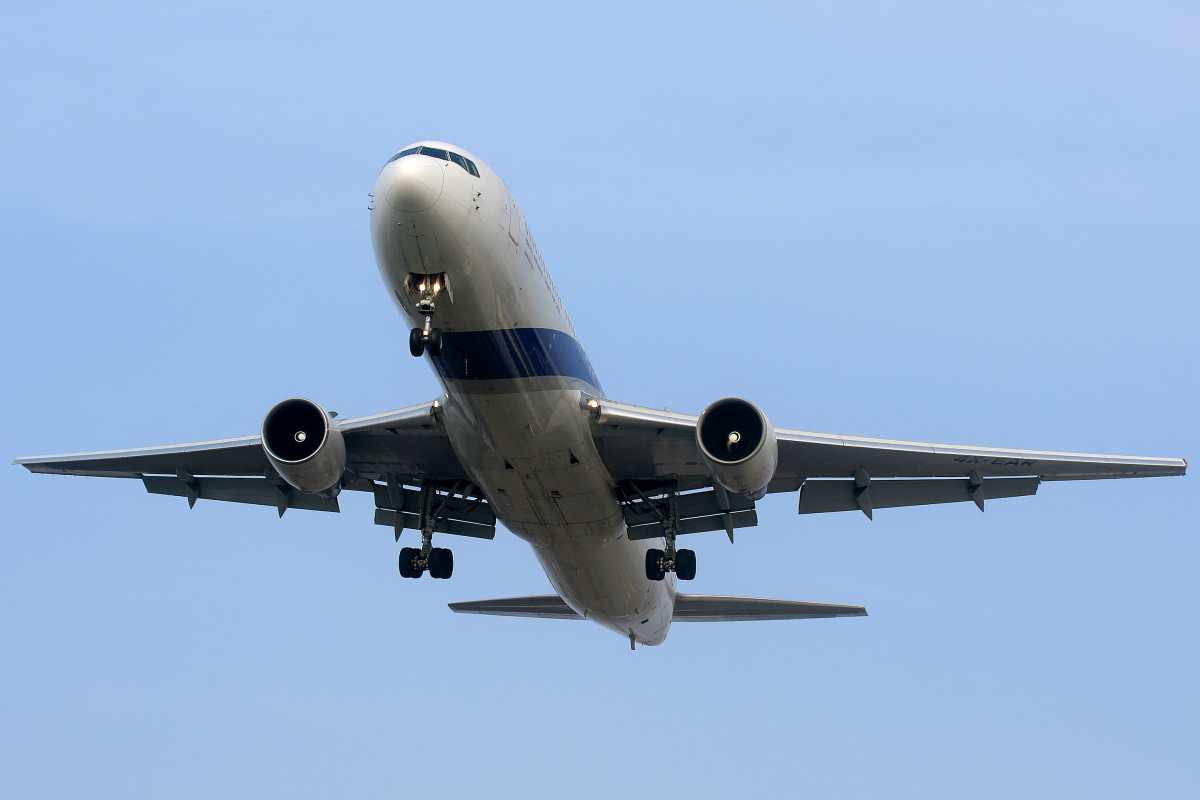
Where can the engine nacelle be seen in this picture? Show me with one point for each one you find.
(738, 446)
(304, 445)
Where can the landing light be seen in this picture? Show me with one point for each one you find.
(593, 404)
(437, 287)
(421, 288)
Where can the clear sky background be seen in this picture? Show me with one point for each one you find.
(973, 223)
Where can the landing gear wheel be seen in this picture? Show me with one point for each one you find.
(434, 345)
(654, 571)
(416, 345)
(441, 563)
(406, 559)
(685, 564)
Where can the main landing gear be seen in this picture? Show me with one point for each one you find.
(438, 561)
(426, 338)
(660, 562)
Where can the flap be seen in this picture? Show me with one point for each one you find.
(256, 491)
(820, 496)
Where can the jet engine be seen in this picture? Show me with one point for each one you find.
(738, 446)
(304, 445)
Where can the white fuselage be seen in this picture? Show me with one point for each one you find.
(516, 378)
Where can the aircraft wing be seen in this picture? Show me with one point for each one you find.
(647, 445)
(407, 444)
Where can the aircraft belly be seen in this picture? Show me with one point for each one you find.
(532, 453)
(607, 583)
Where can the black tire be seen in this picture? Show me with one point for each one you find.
(685, 564)
(436, 563)
(653, 570)
(406, 554)
(415, 345)
(435, 342)
(447, 563)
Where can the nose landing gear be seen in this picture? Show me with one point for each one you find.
(427, 337)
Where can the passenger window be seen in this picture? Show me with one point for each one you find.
(435, 152)
(457, 159)
(471, 167)
(403, 153)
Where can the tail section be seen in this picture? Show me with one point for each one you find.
(688, 608)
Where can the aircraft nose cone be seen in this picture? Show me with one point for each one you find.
(417, 184)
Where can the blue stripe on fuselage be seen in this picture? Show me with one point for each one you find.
(512, 353)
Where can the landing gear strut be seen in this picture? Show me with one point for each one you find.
(439, 561)
(428, 337)
(660, 562)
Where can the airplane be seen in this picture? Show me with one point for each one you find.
(524, 435)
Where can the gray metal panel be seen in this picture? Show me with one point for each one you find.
(825, 455)
(693, 504)
(255, 491)
(454, 527)
(708, 608)
(241, 456)
(459, 508)
(655, 530)
(821, 496)
(546, 606)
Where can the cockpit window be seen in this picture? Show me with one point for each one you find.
(403, 153)
(437, 152)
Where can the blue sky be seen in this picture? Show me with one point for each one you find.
(965, 223)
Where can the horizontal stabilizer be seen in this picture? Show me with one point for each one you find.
(548, 606)
(712, 608)
(688, 608)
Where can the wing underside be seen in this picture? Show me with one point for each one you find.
(645, 444)
(397, 448)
